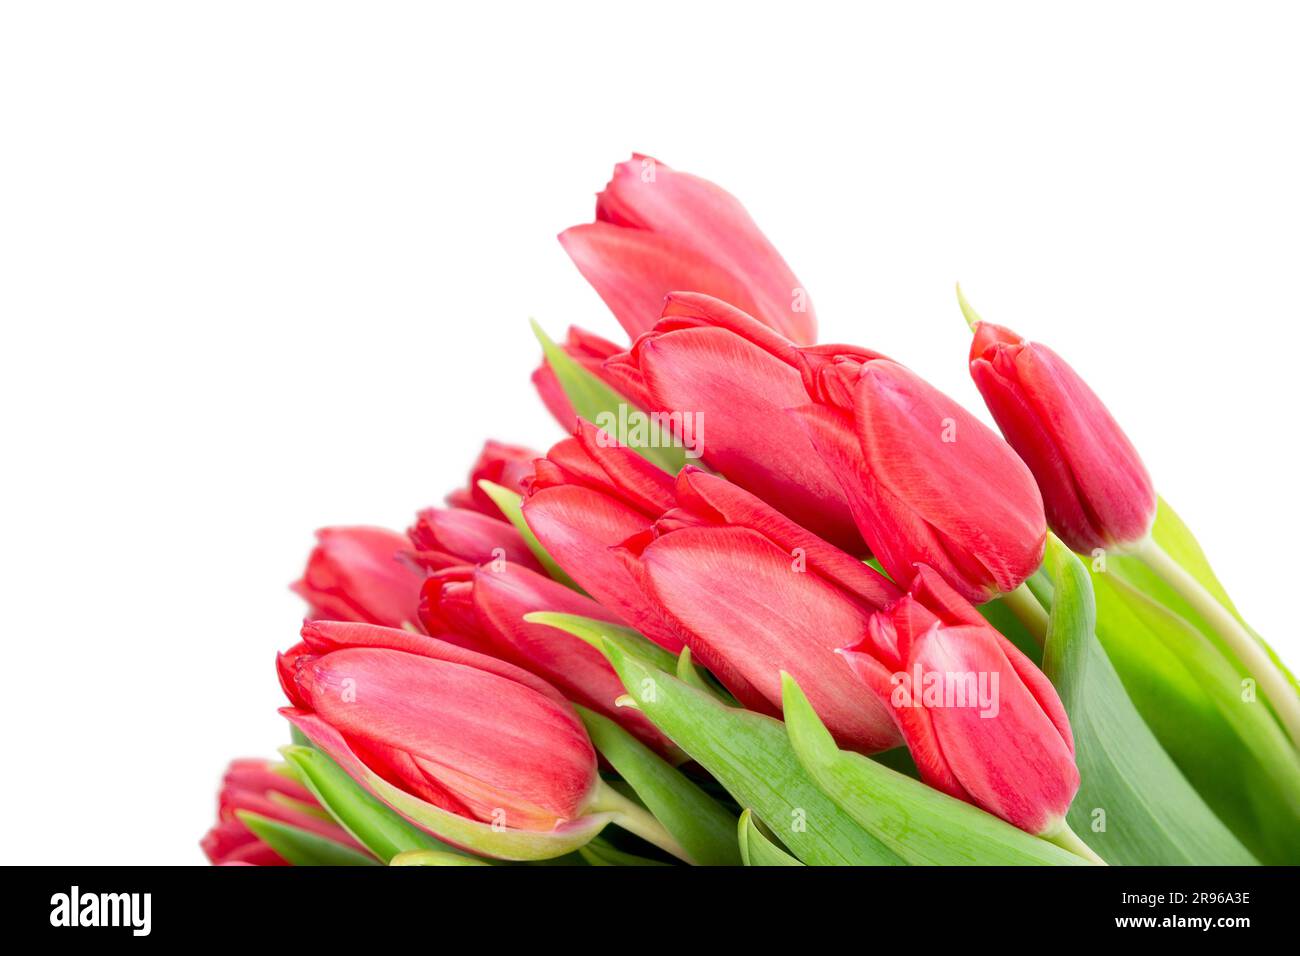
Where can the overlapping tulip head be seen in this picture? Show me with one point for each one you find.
(928, 483)
(484, 607)
(588, 495)
(658, 230)
(257, 787)
(754, 594)
(502, 464)
(741, 380)
(982, 722)
(438, 726)
(1095, 488)
(357, 574)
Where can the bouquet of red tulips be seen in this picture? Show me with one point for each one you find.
(774, 602)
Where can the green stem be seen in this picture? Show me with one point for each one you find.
(1028, 611)
(1277, 690)
(634, 818)
(1067, 839)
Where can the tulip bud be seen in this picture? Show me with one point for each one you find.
(658, 230)
(444, 537)
(255, 786)
(488, 605)
(355, 574)
(1096, 491)
(755, 594)
(983, 724)
(589, 494)
(453, 731)
(928, 482)
(501, 464)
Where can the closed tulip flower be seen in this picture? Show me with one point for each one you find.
(1096, 491)
(444, 537)
(488, 604)
(658, 230)
(754, 594)
(357, 574)
(256, 787)
(588, 495)
(982, 722)
(468, 734)
(741, 380)
(928, 482)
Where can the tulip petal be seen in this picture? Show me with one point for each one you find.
(749, 613)
(503, 843)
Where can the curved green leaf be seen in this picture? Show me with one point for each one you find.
(1134, 807)
(596, 632)
(751, 757)
(301, 847)
(757, 848)
(372, 824)
(705, 830)
(918, 823)
(435, 858)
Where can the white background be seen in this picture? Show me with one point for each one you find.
(267, 266)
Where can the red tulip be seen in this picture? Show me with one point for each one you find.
(469, 735)
(658, 230)
(742, 380)
(499, 463)
(254, 785)
(588, 495)
(1096, 491)
(590, 351)
(928, 483)
(488, 603)
(754, 594)
(444, 537)
(355, 574)
(982, 722)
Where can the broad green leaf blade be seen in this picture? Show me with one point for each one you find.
(705, 830)
(301, 847)
(756, 848)
(596, 632)
(376, 827)
(918, 823)
(1134, 806)
(599, 404)
(600, 853)
(435, 858)
(750, 756)
(510, 504)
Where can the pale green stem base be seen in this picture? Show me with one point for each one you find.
(1028, 611)
(634, 818)
(1067, 839)
(1279, 692)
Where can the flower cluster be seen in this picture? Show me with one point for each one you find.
(773, 601)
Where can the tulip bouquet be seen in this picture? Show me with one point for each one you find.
(774, 602)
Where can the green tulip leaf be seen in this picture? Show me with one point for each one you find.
(757, 848)
(751, 757)
(372, 824)
(918, 823)
(1134, 806)
(299, 847)
(705, 830)
(595, 401)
